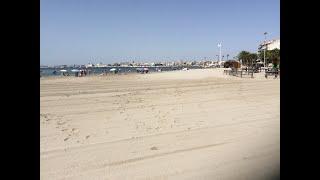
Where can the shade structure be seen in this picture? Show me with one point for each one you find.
(113, 69)
(63, 70)
(75, 70)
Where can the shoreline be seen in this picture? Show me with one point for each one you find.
(165, 75)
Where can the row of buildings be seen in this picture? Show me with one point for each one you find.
(153, 64)
(268, 45)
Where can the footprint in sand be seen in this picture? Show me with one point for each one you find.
(61, 122)
(87, 136)
(75, 130)
(154, 148)
(44, 115)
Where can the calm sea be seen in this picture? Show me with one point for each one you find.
(99, 70)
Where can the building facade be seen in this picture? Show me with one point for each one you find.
(270, 45)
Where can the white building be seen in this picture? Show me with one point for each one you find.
(270, 45)
(89, 65)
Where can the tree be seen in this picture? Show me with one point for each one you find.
(272, 56)
(252, 58)
(243, 56)
(247, 58)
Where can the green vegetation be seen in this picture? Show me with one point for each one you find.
(248, 59)
(272, 56)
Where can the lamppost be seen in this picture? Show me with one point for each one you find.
(264, 52)
(219, 46)
(227, 57)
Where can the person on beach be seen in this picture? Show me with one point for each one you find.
(276, 73)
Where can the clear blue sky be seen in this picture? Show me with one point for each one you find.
(79, 31)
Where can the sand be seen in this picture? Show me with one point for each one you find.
(196, 124)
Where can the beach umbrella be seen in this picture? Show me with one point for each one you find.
(75, 70)
(113, 69)
(63, 70)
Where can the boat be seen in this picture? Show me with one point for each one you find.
(75, 70)
(114, 70)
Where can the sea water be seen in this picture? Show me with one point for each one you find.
(99, 70)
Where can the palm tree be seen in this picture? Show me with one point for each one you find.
(272, 56)
(247, 57)
(243, 56)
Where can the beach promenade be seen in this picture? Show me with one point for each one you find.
(195, 124)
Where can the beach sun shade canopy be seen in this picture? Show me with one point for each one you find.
(63, 70)
(75, 70)
(113, 69)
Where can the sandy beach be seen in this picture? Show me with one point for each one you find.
(196, 124)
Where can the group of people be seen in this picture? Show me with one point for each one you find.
(142, 70)
(65, 74)
(275, 70)
(82, 72)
